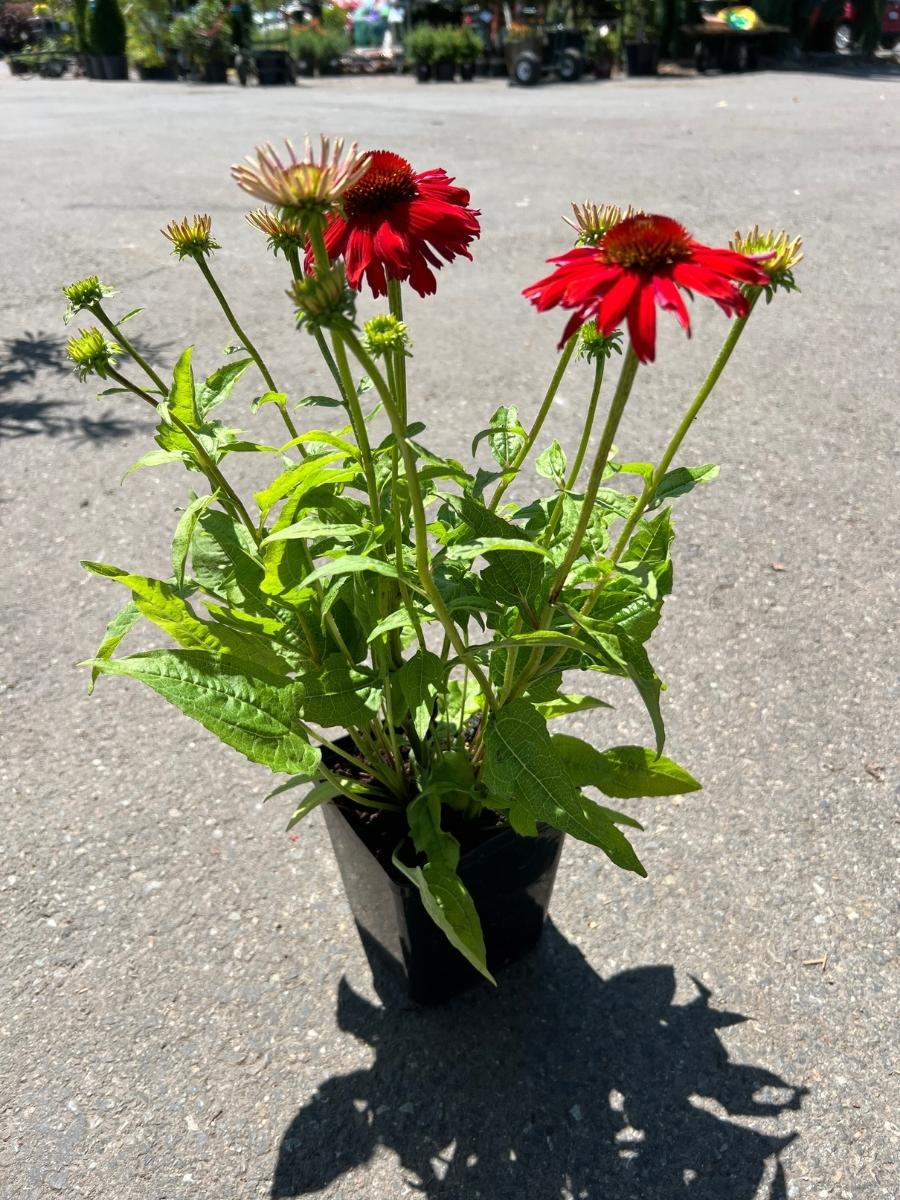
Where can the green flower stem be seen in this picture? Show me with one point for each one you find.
(212, 472)
(601, 457)
(575, 471)
(358, 421)
(395, 299)
(127, 346)
(335, 779)
(420, 520)
(649, 488)
(564, 360)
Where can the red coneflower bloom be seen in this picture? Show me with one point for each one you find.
(639, 263)
(398, 224)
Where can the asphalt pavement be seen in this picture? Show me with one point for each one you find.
(185, 1009)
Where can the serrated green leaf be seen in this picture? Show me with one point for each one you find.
(218, 386)
(224, 559)
(184, 532)
(420, 679)
(551, 463)
(444, 895)
(124, 620)
(182, 402)
(156, 458)
(317, 402)
(336, 694)
(254, 714)
(623, 772)
(351, 564)
(310, 527)
(301, 478)
(505, 435)
(522, 768)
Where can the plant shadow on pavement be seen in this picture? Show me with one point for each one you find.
(559, 1084)
(30, 361)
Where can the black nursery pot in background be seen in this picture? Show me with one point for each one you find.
(510, 879)
(642, 57)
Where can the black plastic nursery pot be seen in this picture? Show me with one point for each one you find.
(445, 71)
(423, 72)
(642, 57)
(274, 68)
(214, 72)
(467, 71)
(510, 879)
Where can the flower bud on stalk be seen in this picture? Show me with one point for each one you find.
(191, 237)
(777, 256)
(386, 334)
(91, 353)
(84, 293)
(323, 300)
(285, 233)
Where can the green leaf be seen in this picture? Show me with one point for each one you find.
(224, 559)
(335, 694)
(161, 604)
(420, 679)
(155, 458)
(314, 797)
(182, 402)
(311, 527)
(124, 620)
(254, 715)
(184, 532)
(562, 706)
(317, 402)
(351, 564)
(522, 768)
(624, 771)
(505, 435)
(218, 386)
(681, 481)
(279, 398)
(647, 556)
(551, 463)
(301, 478)
(444, 895)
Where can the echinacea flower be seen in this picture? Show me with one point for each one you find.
(644, 261)
(399, 224)
(91, 353)
(777, 255)
(191, 236)
(83, 294)
(302, 188)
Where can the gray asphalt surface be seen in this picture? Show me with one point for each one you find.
(186, 1011)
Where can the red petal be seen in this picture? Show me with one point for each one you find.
(393, 248)
(357, 253)
(617, 301)
(669, 298)
(642, 323)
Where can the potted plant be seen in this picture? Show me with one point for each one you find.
(385, 625)
(420, 49)
(149, 45)
(306, 49)
(203, 36)
(107, 34)
(641, 36)
(602, 47)
(468, 51)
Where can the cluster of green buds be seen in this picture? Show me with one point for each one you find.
(386, 334)
(92, 353)
(192, 236)
(777, 256)
(84, 294)
(323, 300)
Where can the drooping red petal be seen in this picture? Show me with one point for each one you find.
(642, 322)
(392, 248)
(358, 253)
(669, 298)
(617, 301)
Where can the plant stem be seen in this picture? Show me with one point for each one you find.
(556, 515)
(395, 299)
(212, 472)
(358, 422)
(614, 416)
(420, 520)
(128, 347)
(233, 322)
(649, 488)
(324, 350)
(550, 396)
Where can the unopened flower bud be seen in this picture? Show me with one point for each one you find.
(593, 221)
(91, 353)
(285, 233)
(385, 334)
(83, 294)
(192, 236)
(776, 255)
(323, 300)
(595, 345)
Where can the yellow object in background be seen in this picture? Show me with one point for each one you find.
(739, 17)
